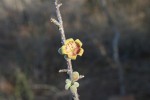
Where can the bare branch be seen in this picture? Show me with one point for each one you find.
(61, 28)
(59, 23)
(55, 22)
(81, 76)
(64, 71)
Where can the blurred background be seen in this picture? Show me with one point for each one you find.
(116, 40)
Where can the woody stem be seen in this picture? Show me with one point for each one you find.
(59, 23)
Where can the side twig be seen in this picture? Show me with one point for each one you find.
(59, 23)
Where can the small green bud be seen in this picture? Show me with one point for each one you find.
(67, 86)
(76, 84)
(73, 89)
(68, 81)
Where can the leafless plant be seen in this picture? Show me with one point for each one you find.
(69, 69)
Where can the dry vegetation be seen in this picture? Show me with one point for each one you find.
(29, 61)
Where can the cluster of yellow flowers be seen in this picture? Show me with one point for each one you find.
(72, 48)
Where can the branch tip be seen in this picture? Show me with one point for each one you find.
(81, 76)
(59, 23)
(55, 21)
(64, 71)
(59, 5)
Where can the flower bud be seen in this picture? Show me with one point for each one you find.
(76, 84)
(68, 81)
(75, 76)
(67, 86)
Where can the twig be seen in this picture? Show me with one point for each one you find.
(63, 71)
(115, 43)
(59, 23)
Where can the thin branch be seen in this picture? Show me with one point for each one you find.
(81, 76)
(64, 71)
(61, 27)
(59, 23)
(55, 22)
(115, 43)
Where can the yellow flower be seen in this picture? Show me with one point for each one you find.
(72, 48)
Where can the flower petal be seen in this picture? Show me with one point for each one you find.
(81, 52)
(68, 40)
(72, 57)
(63, 50)
(78, 42)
